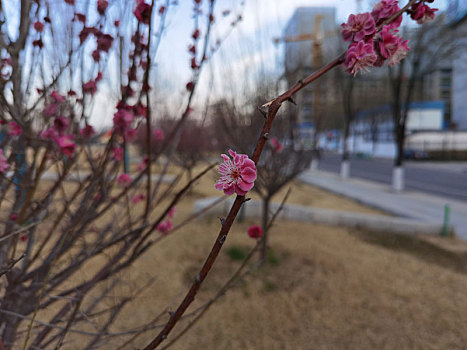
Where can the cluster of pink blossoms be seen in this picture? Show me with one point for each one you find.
(166, 226)
(3, 163)
(368, 47)
(237, 174)
(57, 132)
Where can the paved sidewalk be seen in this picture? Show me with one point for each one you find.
(410, 204)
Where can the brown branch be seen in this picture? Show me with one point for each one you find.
(273, 107)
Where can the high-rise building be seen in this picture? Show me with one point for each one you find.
(456, 17)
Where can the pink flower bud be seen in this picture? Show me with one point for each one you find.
(15, 129)
(255, 231)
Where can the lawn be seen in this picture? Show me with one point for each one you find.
(322, 288)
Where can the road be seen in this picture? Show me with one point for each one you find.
(441, 179)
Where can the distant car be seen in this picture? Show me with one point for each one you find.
(415, 154)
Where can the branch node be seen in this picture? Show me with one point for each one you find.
(263, 112)
(198, 278)
(222, 239)
(266, 135)
(246, 200)
(164, 336)
(171, 313)
(291, 100)
(222, 220)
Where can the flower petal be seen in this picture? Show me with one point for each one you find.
(248, 174)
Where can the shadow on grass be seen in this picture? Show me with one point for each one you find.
(417, 247)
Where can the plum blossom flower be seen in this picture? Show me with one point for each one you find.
(124, 179)
(422, 13)
(142, 12)
(50, 134)
(158, 134)
(255, 231)
(383, 10)
(66, 144)
(102, 6)
(15, 129)
(57, 97)
(117, 154)
(39, 26)
(87, 131)
(3, 162)
(50, 109)
(61, 124)
(90, 87)
(392, 47)
(122, 119)
(276, 145)
(138, 198)
(359, 57)
(143, 164)
(104, 42)
(171, 212)
(359, 27)
(130, 135)
(165, 227)
(237, 174)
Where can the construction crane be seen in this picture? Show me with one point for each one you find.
(317, 37)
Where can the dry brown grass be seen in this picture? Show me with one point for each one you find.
(330, 288)
(325, 288)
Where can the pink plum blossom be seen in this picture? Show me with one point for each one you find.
(237, 174)
(3, 162)
(57, 97)
(90, 87)
(276, 145)
(15, 129)
(392, 47)
(39, 26)
(122, 119)
(383, 10)
(165, 227)
(144, 163)
(138, 198)
(87, 131)
(66, 144)
(51, 109)
(102, 6)
(359, 57)
(104, 42)
(158, 134)
(359, 27)
(117, 154)
(50, 134)
(171, 212)
(255, 231)
(130, 135)
(124, 179)
(142, 12)
(61, 123)
(422, 13)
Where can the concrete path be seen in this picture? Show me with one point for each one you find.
(253, 209)
(409, 204)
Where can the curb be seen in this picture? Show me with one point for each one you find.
(326, 216)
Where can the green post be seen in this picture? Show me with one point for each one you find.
(447, 214)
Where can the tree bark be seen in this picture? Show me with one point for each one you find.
(265, 220)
